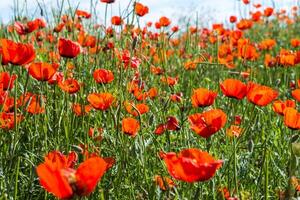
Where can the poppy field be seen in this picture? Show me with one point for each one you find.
(132, 110)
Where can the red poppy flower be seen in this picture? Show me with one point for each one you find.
(130, 126)
(296, 94)
(140, 9)
(164, 21)
(172, 124)
(191, 165)
(82, 13)
(234, 88)
(58, 177)
(107, 1)
(7, 81)
(292, 118)
(160, 129)
(137, 109)
(103, 76)
(279, 106)
(35, 104)
(81, 110)
(116, 20)
(233, 19)
(69, 85)
(260, 95)
(7, 120)
(203, 97)
(16, 53)
(100, 101)
(42, 71)
(207, 123)
(68, 48)
(268, 11)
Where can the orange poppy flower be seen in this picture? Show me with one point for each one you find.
(7, 81)
(69, 85)
(35, 104)
(82, 13)
(42, 71)
(77, 109)
(116, 20)
(171, 81)
(130, 126)
(16, 53)
(164, 21)
(234, 88)
(140, 9)
(191, 165)
(295, 42)
(137, 109)
(100, 101)
(176, 97)
(279, 106)
(7, 120)
(164, 183)
(58, 177)
(103, 76)
(68, 48)
(260, 95)
(292, 118)
(203, 97)
(207, 123)
(296, 94)
(244, 24)
(152, 93)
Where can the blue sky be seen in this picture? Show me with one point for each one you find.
(219, 10)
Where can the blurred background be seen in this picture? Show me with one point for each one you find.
(180, 11)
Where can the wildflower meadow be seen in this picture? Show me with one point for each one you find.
(130, 110)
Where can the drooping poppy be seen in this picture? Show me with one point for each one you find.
(279, 106)
(202, 97)
(234, 88)
(103, 76)
(7, 80)
(101, 101)
(292, 118)
(140, 9)
(16, 53)
(191, 165)
(69, 85)
(207, 123)
(42, 71)
(130, 126)
(68, 48)
(260, 95)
